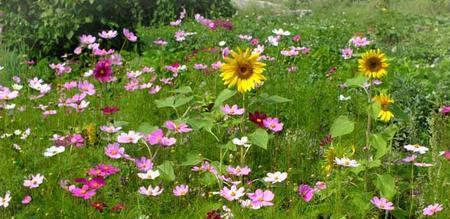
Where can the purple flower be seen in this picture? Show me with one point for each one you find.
(445, 110)
(144, 164)
(306, 192)
(84, 192)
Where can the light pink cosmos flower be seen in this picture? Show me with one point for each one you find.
(175, 23)
(102, 52)
(359, 41)
(129, 35)
(181, 35)
(276, 177)
(245, 37)
(306, 192)
(26, 200)
(206, 166)
(110, 34)
(216, 65)
(296, 38)
(150, 191)
(432, 209)
(110, 129)
(114, 151)
(418, 164)
(261, 198)
(181, 190)
(320, 186)
(157, 137)
(154, 90)
(144, 164)
(232, 193)
(181, 128)
(78, 50)
(130, 137)
(4, 201)
(34, 181)
(160, 42)
(409, 159)
(238, 171)
(60, 68)
(347, 53)
(233, 110)
(86, 87)
(87, 39)
(7, 94)
(70, 85)
(273, 124)
(382, 203)
(200, 66)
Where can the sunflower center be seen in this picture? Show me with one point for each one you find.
(373, 64)
(245, 70)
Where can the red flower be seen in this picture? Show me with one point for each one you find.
(119, 207)
(213, 215)
(108, 110)
(100, 206)
(103, 70)
(257, 118)
(326, 140)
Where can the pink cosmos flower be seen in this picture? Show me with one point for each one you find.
(233, 110)
(200, 66)
(306, 192)
(175, 23)
(144, 164)
(102, 52)
(86, 87)
(70, 85)
(150, 191)
(273, 124)
(129, 35)
(320, 186)
(445, 110)
(26, 200)
(77, 140)
(160, 42)
(87, 39)
(114, 151)
(34, 181)
(261, 198)
(7, 94)
(84, 192)
(360, 41)
(157, 137)
(225, 52)
(347, 53)
(96, 183)
(181, 190)
(110, 34)
(129, 138)
(382, 203)
(432, 209)
(206, 166)
(108, 110)
(60, 68)
(216, 65)
(110, 129)
(254, 42)
(409, 159)
(154, 90)
(238, 171)
(232, 193)
(245, 37)
(103, 71)
(296, 38)
(181, 128)
(78, 50)
(103, 170)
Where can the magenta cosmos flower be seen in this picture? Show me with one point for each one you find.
(103, 170)
(181, 190)
(84, 192)
(261, 198)
(103, 70)
(382, 203)
(445, 110)
(114, 151)
(233, 110)
(144, 164)
(26, 200)
(432, 209)
(157, 137)
(273, 124)
(306, 192)
(181, 128)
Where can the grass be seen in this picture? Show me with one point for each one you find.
(409, 39)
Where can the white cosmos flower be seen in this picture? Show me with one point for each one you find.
(275, 177)
(10, 106)
(150, 174)
(54, 150)
(150, 191)
(281, 32)
(416, 148)
(346, 162)
(17, 86)
(241, 142)
(4, 201)
(344, 98)
(222, 43)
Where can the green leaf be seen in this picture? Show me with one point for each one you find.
(386, 184)
(166, 102)
(182, 90)
(191, 159)
(223, 96)
(259, 138)
(342, 126)
(201, 123)
(181, 100)
(273, 99)
(146, 127)
(357, 81)
(166, 169)
(399, 113)
(375, 110)
(380, 144)
(120, 123)
(389, 132)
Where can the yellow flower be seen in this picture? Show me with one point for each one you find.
(373, 64)
(242, 70)
(384, 100)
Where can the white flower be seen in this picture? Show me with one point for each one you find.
(222, 43)
(130, 137)
(88, 73)
(4, 201)
(281, 32)
(275, 177)
(150, 191)
(54, 150)
(1, 67)
(25, 134)
(150, 174)
(10, 106)
(273, 40)
(17, 132)
(416, 148)
(344, 98)
(16, 86)
(259, 49)
(241, 142)
(346, 162)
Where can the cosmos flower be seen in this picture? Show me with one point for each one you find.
(110, 34)
(150, 174)
(432, 209)
(103, 71)
(54, 150)
(108, 110)
(150, 191)
(232, 193)
(273, 124)
(34, 181)
(129, 138)
(144, 164)
(416, 148)
(110, 129)
(238, 171)
(181, 128)
(276, 177)
(261, 198)
(4, 201)
(306, 192)
(382, 203)
(181, 190)
(99, 206)
(258, 118)
(26, 200)
(347, 53)
(359, 41)
(281, 32)
(157, 137)
(103, 170)
(114, 151)
(129, 35)
(241, 142)
(233, 110)
(87, 39)
(83, 192)
(296, 38)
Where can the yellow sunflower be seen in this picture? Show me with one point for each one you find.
(373, 64)
(384, 100)
(242, 70)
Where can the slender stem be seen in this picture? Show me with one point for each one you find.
(412, 190)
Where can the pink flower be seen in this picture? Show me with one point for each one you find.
(432, 209)
(273, 124)
(160, 42)
(78, 50)
(181, 128)
(181, 190)
(232, 111)
(60, 68)
(233, 193)
(445, 110)
(103, 70)
(144, 164)
(157, 137)
(261, 198)
(86, 87)
(114, 151)
(26, 200)
(129, 138)
(103, 170)
(110, 129)
(87, 39)
(216, 65)
(70, 85)
(175, 23)
(382, 203)
(320, 186)
(7, 94)
(306, 192)
(77, 140)
(238, 171)
(206, 166)
(96, 183)
(34, 181)
(110, 34)
(129, 35)
(360, 41)
(347, 53)
(150, 191)
(296, 38)
(409, 159)
(254, 42)
(225, 52)
(84, 192)
(200, 66)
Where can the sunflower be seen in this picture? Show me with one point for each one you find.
(373, 64)
(242, 70)
(384, 100)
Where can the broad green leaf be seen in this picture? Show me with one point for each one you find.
(201, 123)
(273, 99)
(182, 90)
(223, 96)
(181, 100)
(389, 132)
(357, 81)
(386, 184)
(120, 123)
(399, 113)
(375, 110)
(259, 138)
(146, 127)
(380, 144)
(191, 159)
(342, 126)
(166, 102)
(166, 169)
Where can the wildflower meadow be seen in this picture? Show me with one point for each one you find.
(209, 109)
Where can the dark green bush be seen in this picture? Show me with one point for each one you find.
(52, 27)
